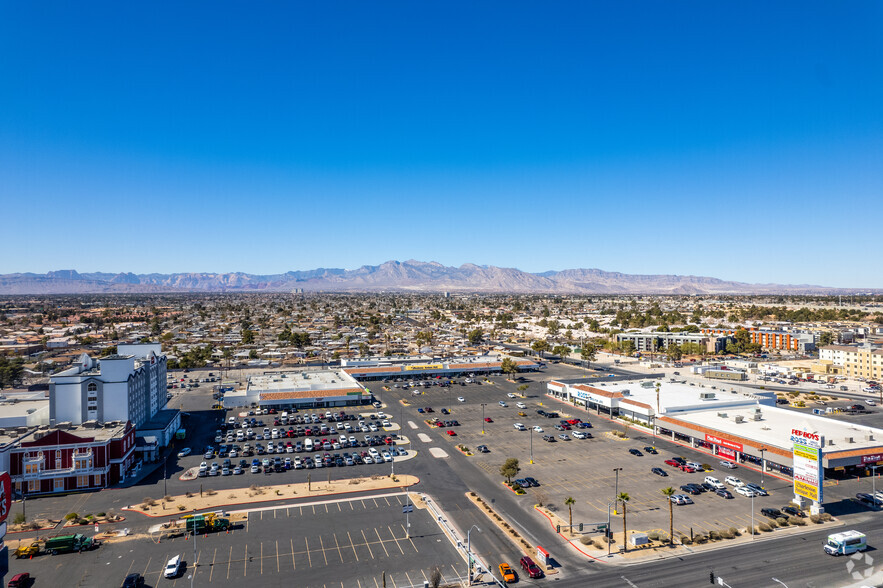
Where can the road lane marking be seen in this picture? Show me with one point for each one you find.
(353, 546)
(381, 541)
(371, 551)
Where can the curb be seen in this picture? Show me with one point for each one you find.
(572, 544)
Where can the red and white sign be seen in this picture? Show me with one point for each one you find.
(724, 452)
(723, 442)
(5, 495)
(872, 458)
(542, 556)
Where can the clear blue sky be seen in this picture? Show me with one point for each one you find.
(742, 140)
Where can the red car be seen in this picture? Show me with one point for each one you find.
(573, 421)
(488, 420)
(439, 424)
(672, 462)
(451, 433)
(428, 409)
(687, 468)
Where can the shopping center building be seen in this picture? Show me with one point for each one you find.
(428, 367)
(729, 422)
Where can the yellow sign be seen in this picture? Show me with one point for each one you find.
(806, 453)
(424, 367)
(806, 490)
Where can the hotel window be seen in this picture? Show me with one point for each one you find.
(82, 481)
(83, 461)
(33, 485)
(58, 484)
(57, 461)
(98, 480)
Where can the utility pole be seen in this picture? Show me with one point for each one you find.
(762, 464)
(616, 490)
(469, 553)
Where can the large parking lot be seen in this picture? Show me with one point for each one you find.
(345, 543)
(581, 468)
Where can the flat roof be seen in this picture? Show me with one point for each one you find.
(775, 424)
(302, 381)
(160, 420)
(22, 408)
(102, 432)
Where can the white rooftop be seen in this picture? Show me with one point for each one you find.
(296, 381)
(678, 397)
(775, 426)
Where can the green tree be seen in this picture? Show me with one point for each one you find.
(509, 367)
(510, 469)
(540, 346)
(624, 498)
(569, 502)
(475, 336)
(253, 354)
(628, 347)
(668, 493)
(588, 352)
(247, 337)
(674, 352)
(562, 351)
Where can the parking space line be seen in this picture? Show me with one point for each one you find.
(277, 556)
(410, 539)
(130, 567)
(375, 503)
(326, 508)
(293, 565)
(229, 561)
(339, 552)
(387, 501)
(309, 557)
(314, 509)
(408, 576)
(339, 509)
(381, 541)
(371, 551)
(245, 569)
(147, 567)
(351, 505)
(376, 585)
(288, 514)
(322, 545)
(262, 558)
(212, 570)
(363, 504)
(396, 540)
(353, 545)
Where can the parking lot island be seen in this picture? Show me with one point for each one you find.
(207, 499)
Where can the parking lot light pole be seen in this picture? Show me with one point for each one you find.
(469, 553)
(753, 530)
(762, 464)
(616, 490)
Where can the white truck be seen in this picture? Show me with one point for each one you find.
(845, 543)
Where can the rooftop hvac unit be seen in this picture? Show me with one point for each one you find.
(626, 392)
(722, 415)
(739, 418)
(757, 415)
(850, 440)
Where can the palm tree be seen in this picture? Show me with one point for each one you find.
(668, 493)
(569, 502)
(624, 498)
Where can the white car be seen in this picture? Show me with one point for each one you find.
(578, 435)
(460, 399)
(870, 402)
(714, 482)
(734, 481)
(503, 404)
(386, 456)
(519, 427)
(510, 395)
(173, 567)
(386, 423)
(745, 491)
(184, 452)
(696, 466)
(728, 464)
(520, 405)
(537, 429)
(203, 466)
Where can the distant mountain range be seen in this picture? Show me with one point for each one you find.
(395, 276)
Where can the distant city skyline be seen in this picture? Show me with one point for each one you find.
(742, 142)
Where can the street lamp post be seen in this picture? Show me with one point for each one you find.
(531, 446)
(469, 553)
(873, 469)
(762, 464)
(483, 404)
(616, 490)
(753, 530)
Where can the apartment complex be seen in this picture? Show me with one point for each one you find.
(858, 361)
(652, 342)
(774, 340)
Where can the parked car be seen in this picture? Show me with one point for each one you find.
(794, 512)
(184, 452)
(724, 493)
(717, 484)
(483, 449)
(773, 513)
(690, 489)
(636, 452)
(133, 581)
(650, 449)
(173, 567)
(23, 580)
(758, 489)
(532, 482)
(659, 472)
(728, 464)
(745, 491)
(868, 499)
(537, 429)
(733, 481)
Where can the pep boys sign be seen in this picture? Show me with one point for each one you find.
(813, 440)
